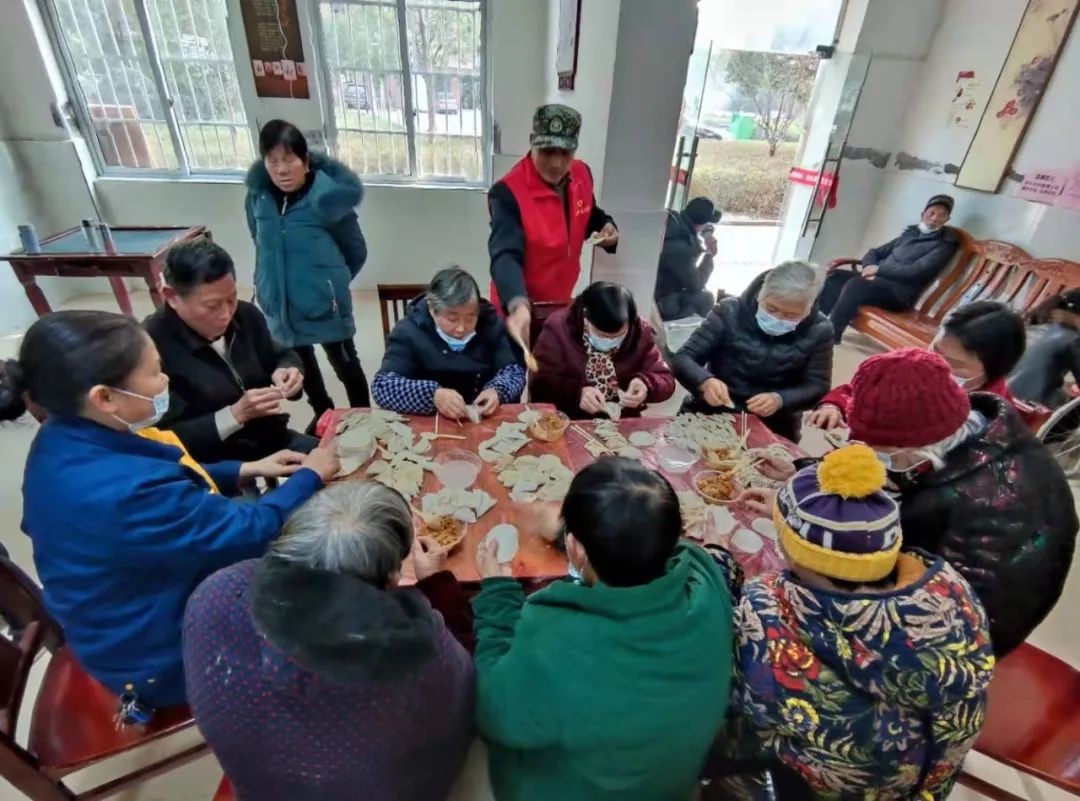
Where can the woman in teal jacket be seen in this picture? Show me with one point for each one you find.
(301, 211)
(125, 524)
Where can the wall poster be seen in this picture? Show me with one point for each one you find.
(566, 49)
(1020, 86)
(963, 110)
(272, 29)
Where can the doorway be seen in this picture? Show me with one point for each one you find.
(754, 84)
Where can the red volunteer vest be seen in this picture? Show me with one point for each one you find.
(552, 252)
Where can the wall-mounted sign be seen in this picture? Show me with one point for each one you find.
(272, 29)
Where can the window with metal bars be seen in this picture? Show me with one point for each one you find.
(405, 87)
(154, 84)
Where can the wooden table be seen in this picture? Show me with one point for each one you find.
(536, 558)
(140, 253)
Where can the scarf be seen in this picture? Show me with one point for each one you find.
(600, 370)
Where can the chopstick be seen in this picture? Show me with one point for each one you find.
(590, 438)
(437, 415)
(450, 436)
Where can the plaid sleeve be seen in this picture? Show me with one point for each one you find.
(509, 383)
(408, 395)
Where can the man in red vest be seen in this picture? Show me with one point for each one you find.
(542, 212)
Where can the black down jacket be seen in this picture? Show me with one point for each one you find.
(731, 346)
(1002, 513)
(913, 259)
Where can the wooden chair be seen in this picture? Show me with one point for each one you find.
(72, 723)
(394, 302)
(1032, 722)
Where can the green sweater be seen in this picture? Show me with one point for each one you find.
(594, 693)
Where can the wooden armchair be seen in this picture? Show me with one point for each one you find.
(394, 302)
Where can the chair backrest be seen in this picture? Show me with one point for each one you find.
(979, 278)
(394, 302)
(32, 629)
(960, 262)
(1033, 717)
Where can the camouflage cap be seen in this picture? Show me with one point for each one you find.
(555, 125)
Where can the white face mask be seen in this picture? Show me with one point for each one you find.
(161, 405)
(926, 229)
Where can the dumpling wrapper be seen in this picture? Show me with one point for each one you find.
(349, 465)
(723, 520)
(613, 409)
(529, 416)
(378, 467)
(746, 541)
(764, 527)
(473, 413)
(642, 439)
(504, 538)
(596, 448)
(464, 515)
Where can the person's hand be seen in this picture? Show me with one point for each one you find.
(826, 417)
(519, 321)
(428, 557)
(776, 469)
(324, 461)
(711, 247)
(288, 379)
(764, 405)
(257, 403)
(592, 401)
(758, 501)
(609, 236)
(869, 271)
(487, 565)
(487, 402)
(636, 392)
(276, 465)
(450, 404)
(715, 392)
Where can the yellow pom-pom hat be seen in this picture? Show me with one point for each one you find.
(835, 519)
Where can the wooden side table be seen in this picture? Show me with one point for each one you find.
(140, 253)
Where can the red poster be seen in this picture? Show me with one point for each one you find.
(272, 28)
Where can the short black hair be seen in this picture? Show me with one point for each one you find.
(990, 330)
(279, 133)
(189, 265)
(627, 519)
(608, 306)
(64, 355)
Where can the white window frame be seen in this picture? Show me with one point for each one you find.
(84, 119)
(327, 97)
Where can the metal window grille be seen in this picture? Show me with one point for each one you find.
(154, 82)
(406, 87)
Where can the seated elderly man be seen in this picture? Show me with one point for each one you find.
(613, 683)
(451, 350)
(768, 352)
(227, 375)
(893, 275)
(311, 674)
(685, 264)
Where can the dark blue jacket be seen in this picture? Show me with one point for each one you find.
(123, 533)
(307, 252)
(914, 259)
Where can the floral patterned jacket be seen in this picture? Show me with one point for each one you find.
(869, 696)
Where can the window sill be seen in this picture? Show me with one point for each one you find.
(238, 178)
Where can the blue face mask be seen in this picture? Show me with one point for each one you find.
(455, 344)
(161, 405)
(604, 344)
(774, 326)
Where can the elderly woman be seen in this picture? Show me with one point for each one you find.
(975, 486)
(450, 350)
(301, 212)
(613, 683)
(856, 708)
(768, 352)
(598, 351)
(311, 674)
(123, 520)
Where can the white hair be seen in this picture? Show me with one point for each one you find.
(358, 527)
(795, 281)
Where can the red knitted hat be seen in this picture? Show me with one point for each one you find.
(906, 399)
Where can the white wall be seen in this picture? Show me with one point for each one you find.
(972, 35)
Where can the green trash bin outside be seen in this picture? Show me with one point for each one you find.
(742, 127)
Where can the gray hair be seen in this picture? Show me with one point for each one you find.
(358, 527)
(796, 281)
(451, 288)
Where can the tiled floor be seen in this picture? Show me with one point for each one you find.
(197, 781)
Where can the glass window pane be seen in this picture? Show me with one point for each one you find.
(193, 43)
(112, 73)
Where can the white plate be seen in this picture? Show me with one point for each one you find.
(642, 439)
(746, 541)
